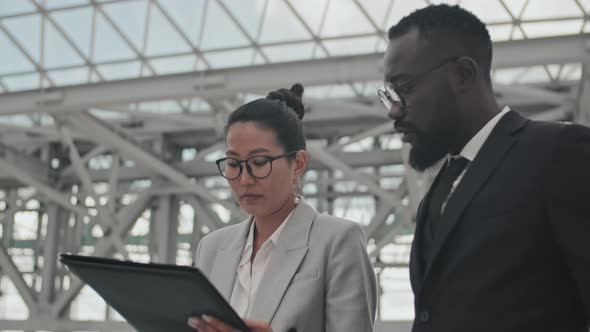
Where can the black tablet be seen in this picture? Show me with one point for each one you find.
(153, 297)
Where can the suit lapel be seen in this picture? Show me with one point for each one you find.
(284, 262)
(417, 266)
(489, 157)
(223, 273)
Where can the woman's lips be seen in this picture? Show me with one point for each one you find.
(250, 197)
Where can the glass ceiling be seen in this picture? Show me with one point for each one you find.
(48, 43)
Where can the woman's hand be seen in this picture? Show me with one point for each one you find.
(207, 323)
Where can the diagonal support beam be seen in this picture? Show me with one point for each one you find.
(104, 246)
(8, 268)
(101, 133)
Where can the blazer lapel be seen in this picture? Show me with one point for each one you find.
(284, 262)
(223, 273)
(489, 157)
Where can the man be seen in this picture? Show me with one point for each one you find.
(502, 241)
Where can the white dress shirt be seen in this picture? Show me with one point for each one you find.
(250, 272)
(471, 149)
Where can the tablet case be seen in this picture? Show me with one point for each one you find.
(153, 297)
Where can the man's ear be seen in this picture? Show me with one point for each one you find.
(466, 74)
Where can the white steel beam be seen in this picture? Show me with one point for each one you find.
(26, 293)
(104, 247)
(228, 82)
(101, 133)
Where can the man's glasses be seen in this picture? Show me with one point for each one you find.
(258, 167)
(391, 96)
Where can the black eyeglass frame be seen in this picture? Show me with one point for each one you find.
(248, 167)
(388, 94)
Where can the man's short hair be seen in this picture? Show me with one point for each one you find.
(465, 30)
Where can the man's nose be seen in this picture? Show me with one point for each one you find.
(396, 112)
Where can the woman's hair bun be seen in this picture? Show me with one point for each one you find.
(292, 97)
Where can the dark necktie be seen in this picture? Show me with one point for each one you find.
(440, 192)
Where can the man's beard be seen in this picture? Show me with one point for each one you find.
(427, 151)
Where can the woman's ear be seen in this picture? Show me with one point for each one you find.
(301, 161)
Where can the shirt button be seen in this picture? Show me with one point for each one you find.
(424, 316)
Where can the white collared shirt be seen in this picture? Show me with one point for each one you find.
(471, 149)
(250, 272)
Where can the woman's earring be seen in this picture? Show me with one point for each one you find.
(297, 190)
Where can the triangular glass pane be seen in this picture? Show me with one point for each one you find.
(187, 14)
(219, 24)
(280, 24)
(58, 53)
(381, 45)
(94, 77)
(120, 71)
(16, 7)
(571, 72)
(145, 72)
(487, 11)
(27, 30)
(508, 76)
(311, 12)
(292, 52)
(52, 4)
(258, 59)
(230, 58)
(377, 10)
(11, 299)
(538, 9)
(401, 9)
(344, 18)
(11, 58)
(130, 17)
(199, 105)
(587, 27)
(45, 84)
(69, 76)
(22, 82)
(535, 74)
(515, 6)
(163, 38)
(201, 65)
(349, 46)
(557, 28)
(586, 5)
(517, 34)
(500, 32)
(77, 24)
(554, 70)
(248, 13)
(177, 64)
(319, 53)
(331, 91)
(108, 43)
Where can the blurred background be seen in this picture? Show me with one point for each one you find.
(111, 113)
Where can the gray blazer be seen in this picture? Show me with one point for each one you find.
(319, 277)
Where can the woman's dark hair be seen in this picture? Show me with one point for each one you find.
(281, 111)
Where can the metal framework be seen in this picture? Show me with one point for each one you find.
(110, 155)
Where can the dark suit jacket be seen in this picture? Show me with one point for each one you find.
(513, 248)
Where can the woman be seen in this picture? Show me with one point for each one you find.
(287, 266)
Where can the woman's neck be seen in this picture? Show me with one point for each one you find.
(266, 225)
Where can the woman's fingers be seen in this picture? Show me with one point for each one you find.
(207, 323)
(258, 326)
